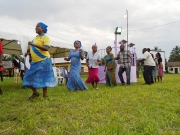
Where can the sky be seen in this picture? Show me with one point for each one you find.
(94, 21)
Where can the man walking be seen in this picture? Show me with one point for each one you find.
(1, 64)
(149, 65)
(124, 59)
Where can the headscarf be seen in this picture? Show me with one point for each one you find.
(78, 42)
(43, 26)
(109, 47)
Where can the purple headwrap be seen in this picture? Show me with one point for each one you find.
(43, 26)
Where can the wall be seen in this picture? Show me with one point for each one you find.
(173, 71)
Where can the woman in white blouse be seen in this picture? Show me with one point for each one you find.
(93, 61)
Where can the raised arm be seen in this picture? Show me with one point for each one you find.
(81, 54)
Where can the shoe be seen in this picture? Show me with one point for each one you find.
(1, 92)
(23, 87)
(34, 95)
(97, 88)
(45, 95)
(122, 83)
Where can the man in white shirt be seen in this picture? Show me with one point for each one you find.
(149, 65)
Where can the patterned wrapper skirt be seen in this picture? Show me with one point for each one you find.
(155, 73)
(110, 77)
(160, 72)
(92, 75)
(40, 75)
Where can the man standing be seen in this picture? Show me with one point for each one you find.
(16, 66)
(149, 65)
(124, 59)
(1, 64)
(151, 76)
(22, 68)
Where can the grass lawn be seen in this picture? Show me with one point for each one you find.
(127, 110)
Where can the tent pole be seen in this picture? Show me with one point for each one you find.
(54, 61)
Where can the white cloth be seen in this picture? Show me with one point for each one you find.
(27, 64)
(16, 60)
(22, 66)
(148, 59)
(93, 59)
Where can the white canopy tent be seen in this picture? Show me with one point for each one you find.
(17, 35)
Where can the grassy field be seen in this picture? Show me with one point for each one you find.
(123, 110)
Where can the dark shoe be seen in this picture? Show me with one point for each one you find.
(122, 83)
(23, 87)
(1, 92)
(34, 95)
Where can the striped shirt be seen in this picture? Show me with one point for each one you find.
(124, 59)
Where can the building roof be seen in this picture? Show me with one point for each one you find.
(173, 64)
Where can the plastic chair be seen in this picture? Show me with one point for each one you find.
(60, 78)
(64, 73)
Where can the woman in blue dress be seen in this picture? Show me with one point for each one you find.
(75, 82)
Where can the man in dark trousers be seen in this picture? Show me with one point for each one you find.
(149, 65)
(1, 64)
(151, 76)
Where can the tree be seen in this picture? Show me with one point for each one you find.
(175, 54)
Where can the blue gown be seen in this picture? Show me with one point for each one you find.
(75, 82)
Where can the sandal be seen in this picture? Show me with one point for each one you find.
(45, 95)
(34, 95)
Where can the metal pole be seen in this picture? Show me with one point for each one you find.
(115, 45)
(127, 28)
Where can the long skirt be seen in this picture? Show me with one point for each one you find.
(92, 75)
(160, 72)
(40, 75)
(75, 82)
(110, 77)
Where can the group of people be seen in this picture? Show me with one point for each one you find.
(93, 61)
(153, 67)
(41, 75)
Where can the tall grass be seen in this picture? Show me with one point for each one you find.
(122, 110)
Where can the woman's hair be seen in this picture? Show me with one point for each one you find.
(109, 47)
(159, 55)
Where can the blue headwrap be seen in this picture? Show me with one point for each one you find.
(79, 43)
(43, 26)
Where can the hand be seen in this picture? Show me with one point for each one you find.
(110, 68)
(80, 50)
(66, 59)
(97, 63)
(31, 43)
(104, 70)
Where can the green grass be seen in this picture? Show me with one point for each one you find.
(128, 110)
